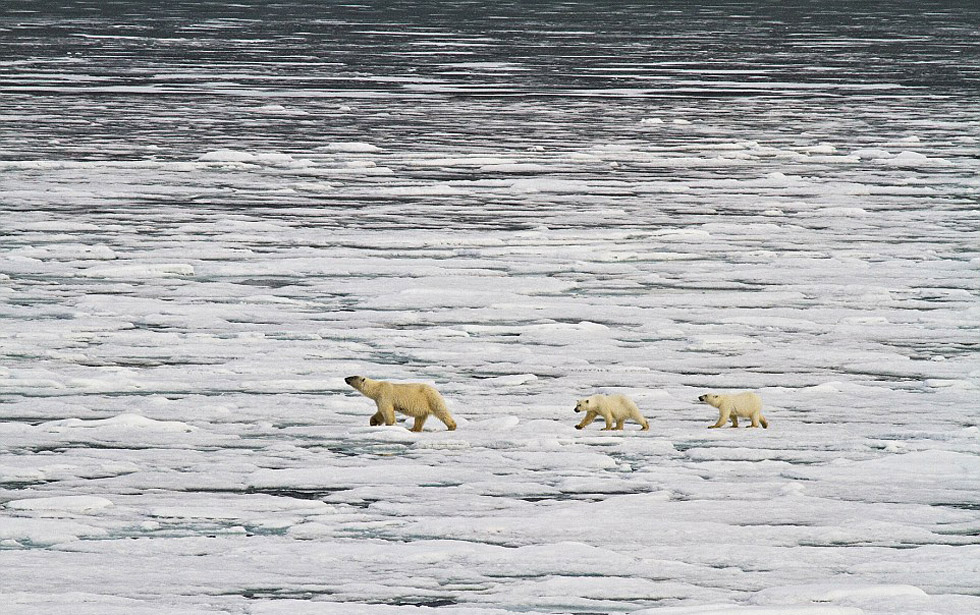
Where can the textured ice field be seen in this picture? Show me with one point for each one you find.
(196, 249)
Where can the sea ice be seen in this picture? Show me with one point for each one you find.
(213, 219)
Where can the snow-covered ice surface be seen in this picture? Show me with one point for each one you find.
(210, 215)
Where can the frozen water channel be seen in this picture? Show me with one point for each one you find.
(209, 217)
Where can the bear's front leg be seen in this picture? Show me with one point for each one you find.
(609, 422)
(589, 417)
(387, 412)
(734, 420)
(377, 419)
(721, 420)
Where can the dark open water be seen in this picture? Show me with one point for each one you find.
(101, 79)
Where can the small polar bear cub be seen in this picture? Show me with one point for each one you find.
(614, 408)
(412, 398)
(745, 405)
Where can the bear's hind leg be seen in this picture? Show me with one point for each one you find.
(619, 424)
(419, 422)
(445, 417)
(639, 418)
(437, 406)
(609, 422)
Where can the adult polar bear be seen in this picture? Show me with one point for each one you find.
(412, 398)
(746, 405)
(614, 408)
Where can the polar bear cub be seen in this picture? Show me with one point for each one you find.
(614, 408)
(746, 405)
(412, 398)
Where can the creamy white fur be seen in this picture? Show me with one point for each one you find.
(613, 408)
(746, 405)
(412, 398)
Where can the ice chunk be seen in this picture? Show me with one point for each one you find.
(844, 592)
(512, 380)
(356, 147)
(139, 271)
(63, 504)
(122, 422)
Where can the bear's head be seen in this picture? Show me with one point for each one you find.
(584, 405)
(710, 398)
(355, 381)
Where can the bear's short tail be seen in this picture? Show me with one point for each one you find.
(764, 422)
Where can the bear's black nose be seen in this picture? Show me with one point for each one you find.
(701, 398)
(577, 409)
(349, 379)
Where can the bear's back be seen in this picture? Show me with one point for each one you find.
(411, 388)
(746, 401)
(619, 402)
